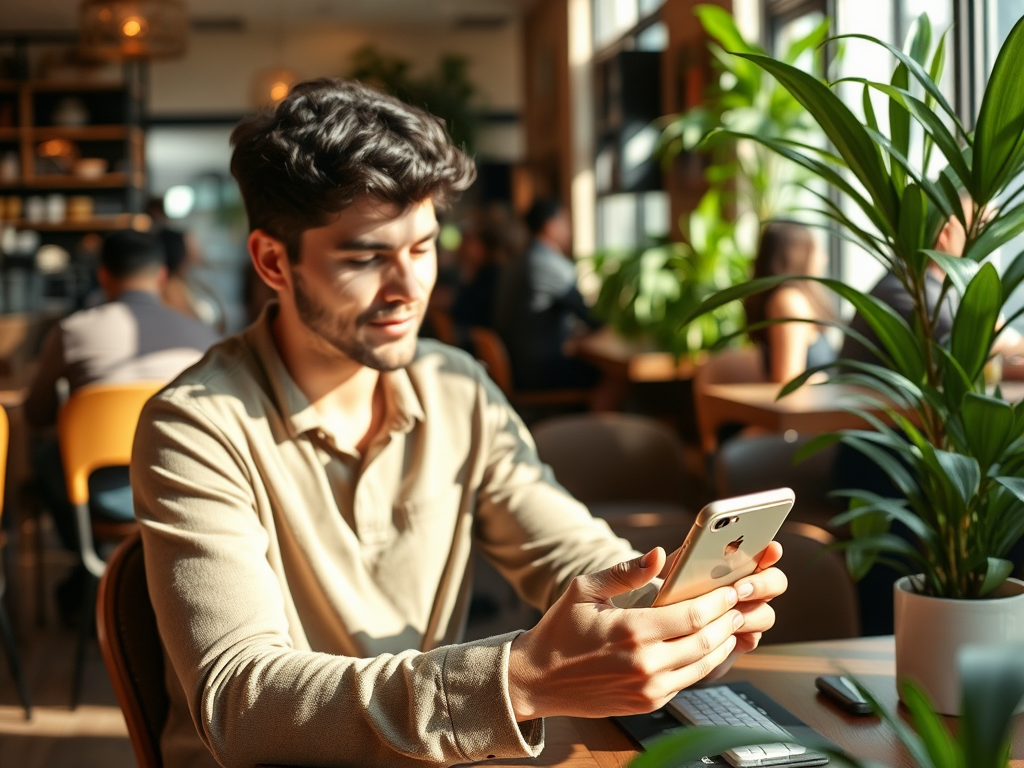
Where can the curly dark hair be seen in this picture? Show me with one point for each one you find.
(331, 141)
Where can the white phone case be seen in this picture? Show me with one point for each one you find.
(725, 544)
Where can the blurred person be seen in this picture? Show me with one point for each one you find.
(789, 349)
(310, 494)
(181, 290)
(539, 308)
(131, 337)
(481, 255)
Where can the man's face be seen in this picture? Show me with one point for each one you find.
(363, 280)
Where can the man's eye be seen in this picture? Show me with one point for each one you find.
(363, 261)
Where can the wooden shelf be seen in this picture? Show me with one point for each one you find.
(10, 134)
(80, 133)
(69, 181)
(113, 221)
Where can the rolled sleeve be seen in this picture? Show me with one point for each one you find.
(475, 680)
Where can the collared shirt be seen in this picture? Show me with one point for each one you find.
(311, 600)
(133, 338)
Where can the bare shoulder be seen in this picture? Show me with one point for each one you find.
(788, 301)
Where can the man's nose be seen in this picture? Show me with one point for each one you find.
(401, 281)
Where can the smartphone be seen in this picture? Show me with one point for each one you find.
(725, 544)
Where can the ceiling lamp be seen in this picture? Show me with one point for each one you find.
(270, 86)
(133, 29)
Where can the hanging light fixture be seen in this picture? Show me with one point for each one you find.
(269, 86)
(133, 29)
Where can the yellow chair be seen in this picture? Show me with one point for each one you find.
(6, 633)
(95, 429)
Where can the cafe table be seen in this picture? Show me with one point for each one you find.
(632, 360)
(812, 409)
(786, 673)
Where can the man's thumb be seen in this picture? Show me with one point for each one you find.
(601, 586)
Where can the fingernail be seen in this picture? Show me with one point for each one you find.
(738, 620)
(745, 590)
(645, 560)
(732, 598)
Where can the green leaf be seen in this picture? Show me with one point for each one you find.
(842, 128)
(811, 40)
(869, 109)
(935, 737)
(919, 39)
(912, 218)
(1006, 226)
(974, 324)
(894, 508)
(959, 271)
(999, 132)
(899, 123)
(997, 572)
(988, 425)
(962, 471)
(993, 685)
(1013, 275)
(917, 71)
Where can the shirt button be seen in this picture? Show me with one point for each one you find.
(321, 434)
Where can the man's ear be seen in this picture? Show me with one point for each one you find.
(942, 243)
(270, 259)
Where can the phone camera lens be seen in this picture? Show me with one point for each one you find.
(720, 523)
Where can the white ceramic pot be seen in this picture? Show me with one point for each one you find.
(930, 631)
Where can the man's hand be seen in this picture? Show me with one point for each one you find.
(588, 658)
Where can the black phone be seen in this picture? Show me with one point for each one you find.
(844, 693)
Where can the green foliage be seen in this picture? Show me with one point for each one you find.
(993, 686)
(651, 291)
(647, 292)
(447, 92)
(955, 451)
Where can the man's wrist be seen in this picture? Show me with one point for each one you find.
(519, 679)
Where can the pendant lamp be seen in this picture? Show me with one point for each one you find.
(115, 30)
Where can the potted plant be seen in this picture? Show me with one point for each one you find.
(992, 692)
(646, 292)
(954, 450)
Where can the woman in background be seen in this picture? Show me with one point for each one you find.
(789, 248)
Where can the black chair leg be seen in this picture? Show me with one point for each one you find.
(14, 661)
(86, 627)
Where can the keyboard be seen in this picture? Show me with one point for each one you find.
(721, 706)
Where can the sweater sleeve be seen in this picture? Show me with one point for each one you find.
(254, 697)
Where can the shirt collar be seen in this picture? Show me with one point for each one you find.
(403, 407)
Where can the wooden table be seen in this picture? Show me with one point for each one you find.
(811, 410)
(786, 673)
(631, 359)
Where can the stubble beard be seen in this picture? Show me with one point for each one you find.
(319, 320)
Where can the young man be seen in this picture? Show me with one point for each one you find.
(310, 492)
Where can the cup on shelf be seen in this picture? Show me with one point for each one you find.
(10, 167)
(90, 167)
(35, 209)
(80, 208)
(56, 208)
(12, 211)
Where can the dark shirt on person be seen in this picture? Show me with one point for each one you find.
(133, 338)
(892, 292)
(537, 308)
(474, 303)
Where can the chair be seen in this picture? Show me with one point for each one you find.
(821, 601)
(627, 469)
(733, 366)
(130, 643)
(751, 464)
(490, 350)
(6, 632)
(95, 429)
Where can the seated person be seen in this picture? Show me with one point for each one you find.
(181, 290)
(481, 255)
(132, 337)
(789, 248)
(539, 307)
(310, 494)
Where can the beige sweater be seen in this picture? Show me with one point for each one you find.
(310, 600)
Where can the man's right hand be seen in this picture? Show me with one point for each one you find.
(587, 658)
